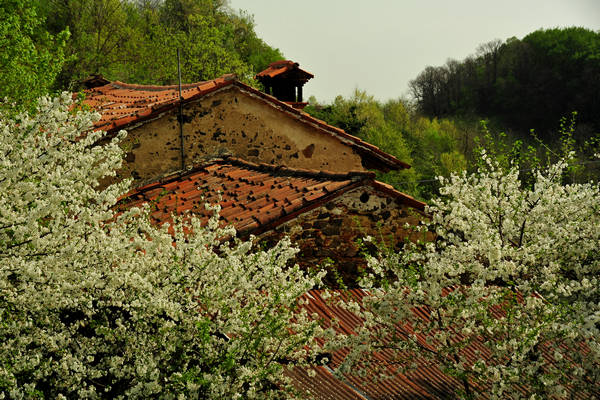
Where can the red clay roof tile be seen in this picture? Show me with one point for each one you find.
(251, 196)
(281, 67)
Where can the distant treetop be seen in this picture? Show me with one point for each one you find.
(548, 73)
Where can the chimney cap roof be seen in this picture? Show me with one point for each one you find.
(284, 69)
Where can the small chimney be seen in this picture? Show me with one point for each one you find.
(284, 80)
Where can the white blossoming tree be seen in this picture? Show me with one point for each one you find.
(503, 296)
(94, 305)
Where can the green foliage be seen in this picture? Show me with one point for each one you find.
(31, 57)
(436, 150)
(515, 85)
(432, 147)
(138, 41)
(533, 153)
(362, 116)
(203, 55)
(251, 49)
(521, 82)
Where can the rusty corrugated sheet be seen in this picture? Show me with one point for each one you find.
(323, 385)
(426, 381)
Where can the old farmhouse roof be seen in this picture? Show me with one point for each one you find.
(254, 198)
(123, 105)
(425, 382)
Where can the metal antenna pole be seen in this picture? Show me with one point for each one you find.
(180, 113)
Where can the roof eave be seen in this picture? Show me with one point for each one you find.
(404, 198)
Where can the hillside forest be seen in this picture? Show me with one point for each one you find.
(518, 93)
(60, 42)
(524, 97)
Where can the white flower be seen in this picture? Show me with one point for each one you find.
(530, 252)
(93, 303)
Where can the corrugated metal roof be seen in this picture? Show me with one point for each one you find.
(426, 381)
(323, 385)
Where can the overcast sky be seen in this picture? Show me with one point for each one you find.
(380, 45)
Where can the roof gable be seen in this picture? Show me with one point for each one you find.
(122, 105)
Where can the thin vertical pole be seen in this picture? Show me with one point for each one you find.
(180, 113)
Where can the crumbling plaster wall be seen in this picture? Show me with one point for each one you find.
(232, 121)
(331, 232)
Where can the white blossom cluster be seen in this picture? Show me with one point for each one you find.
(503, 293)
(94, 305)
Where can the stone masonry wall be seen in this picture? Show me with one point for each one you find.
(331, 232)
(233, 122)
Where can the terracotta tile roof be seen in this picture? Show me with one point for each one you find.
(278, 68)
(254, 197)
(122, 105)
(427, 381)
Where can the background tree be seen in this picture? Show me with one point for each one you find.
(520, 82)
(138, 41)
(102, 33)
(432, 147)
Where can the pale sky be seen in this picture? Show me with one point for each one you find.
(380, 45)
